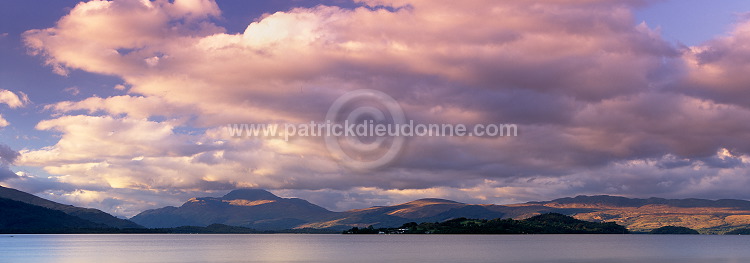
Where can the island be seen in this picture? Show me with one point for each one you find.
(550, 223)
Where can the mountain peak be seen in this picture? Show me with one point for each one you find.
(250, 194)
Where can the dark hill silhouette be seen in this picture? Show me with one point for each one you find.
(20, 217)
(90, 214)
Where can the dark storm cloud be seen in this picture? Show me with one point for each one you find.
(7, 157)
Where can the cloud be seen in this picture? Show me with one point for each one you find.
(133, 106)
(319, 48)
(117, 32)
(717, 69)
(108, 137)
(13, 100)
(604, 105)
(7, 155)
(3, 122)
(73, 90)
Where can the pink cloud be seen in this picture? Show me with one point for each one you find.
(594, 94)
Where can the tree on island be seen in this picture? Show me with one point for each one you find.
(741, 231)
(674, 230)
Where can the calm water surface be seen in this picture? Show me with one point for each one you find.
(373, 248)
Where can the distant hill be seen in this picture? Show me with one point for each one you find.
(90, 214)
(251, 208)
(618, 201)
(20, 217)
(644, 215)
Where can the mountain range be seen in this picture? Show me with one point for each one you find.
(262, 210)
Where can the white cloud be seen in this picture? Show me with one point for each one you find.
(13, 100)
(3, 122)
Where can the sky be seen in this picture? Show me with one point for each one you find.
(124, 105)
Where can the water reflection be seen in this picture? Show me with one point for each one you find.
(372, 248)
